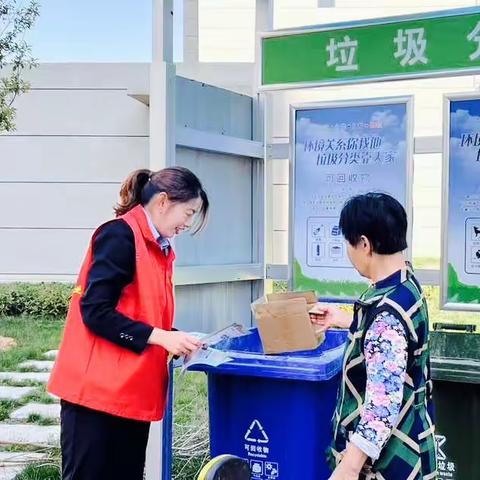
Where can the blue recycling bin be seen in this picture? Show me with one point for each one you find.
(275, 410)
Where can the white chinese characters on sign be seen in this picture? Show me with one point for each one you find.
(450, 466)
(446, 468)
(474, 36)
(343, 54)
(411, 46)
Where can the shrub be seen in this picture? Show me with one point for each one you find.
(35, 299)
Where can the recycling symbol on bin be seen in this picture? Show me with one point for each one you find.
(256, 433)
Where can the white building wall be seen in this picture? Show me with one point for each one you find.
(226, 30)
(78, 135)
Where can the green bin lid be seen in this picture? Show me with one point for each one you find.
(455, 356)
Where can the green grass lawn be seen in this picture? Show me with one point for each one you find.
(190, 431)
(426, 263)
(46, 470)
(35, 336)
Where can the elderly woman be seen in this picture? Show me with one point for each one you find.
(382, 426)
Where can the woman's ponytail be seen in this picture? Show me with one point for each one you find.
(131, 191)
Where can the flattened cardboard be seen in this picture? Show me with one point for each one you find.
(309, 296)
(284, 323)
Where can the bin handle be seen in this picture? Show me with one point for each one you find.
(459, 328)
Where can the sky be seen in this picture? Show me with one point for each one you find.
(120, 30)
(92, 31)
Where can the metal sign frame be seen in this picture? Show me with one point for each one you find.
(364, 23)
(445, 304)
(408, 101)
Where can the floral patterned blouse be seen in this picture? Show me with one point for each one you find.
(386, 353)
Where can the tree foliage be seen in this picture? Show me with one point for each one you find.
(16, 18)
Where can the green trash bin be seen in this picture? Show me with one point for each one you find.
(456, 378)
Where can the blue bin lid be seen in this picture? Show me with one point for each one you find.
(248, 359)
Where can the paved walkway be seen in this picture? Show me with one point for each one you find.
(33, 423)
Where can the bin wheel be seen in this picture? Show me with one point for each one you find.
(225, 467)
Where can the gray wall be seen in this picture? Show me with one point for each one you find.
(229, 179)
(79, 133)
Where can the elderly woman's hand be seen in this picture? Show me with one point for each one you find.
(328, 316)
(342, 473)
(351, 465)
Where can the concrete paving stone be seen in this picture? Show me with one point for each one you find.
(9, 459)
(29, 434)
(51, 411)
(9, 473)
(51, 354)
(16, 393)
(13, 463)
(37, 365)
(21, 377)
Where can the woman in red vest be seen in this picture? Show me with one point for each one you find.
(111, 372)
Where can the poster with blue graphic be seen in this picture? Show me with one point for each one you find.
(461, 205)
(342, 150)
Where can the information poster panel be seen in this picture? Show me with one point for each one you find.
(461, 204)
(341, 150)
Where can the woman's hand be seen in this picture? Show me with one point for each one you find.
(351, 464)
(176, 343)
(344, 474)
(328, 316)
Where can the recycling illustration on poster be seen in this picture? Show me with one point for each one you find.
(461, 249)
(342, 150)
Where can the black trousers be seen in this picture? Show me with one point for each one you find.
(99, 446)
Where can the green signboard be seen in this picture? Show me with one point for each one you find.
(438, 43)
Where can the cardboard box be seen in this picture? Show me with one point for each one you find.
(284, 323)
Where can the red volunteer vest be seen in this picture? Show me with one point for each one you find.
(100, 375)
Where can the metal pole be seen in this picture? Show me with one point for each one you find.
(162, 153)
(264, 15)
